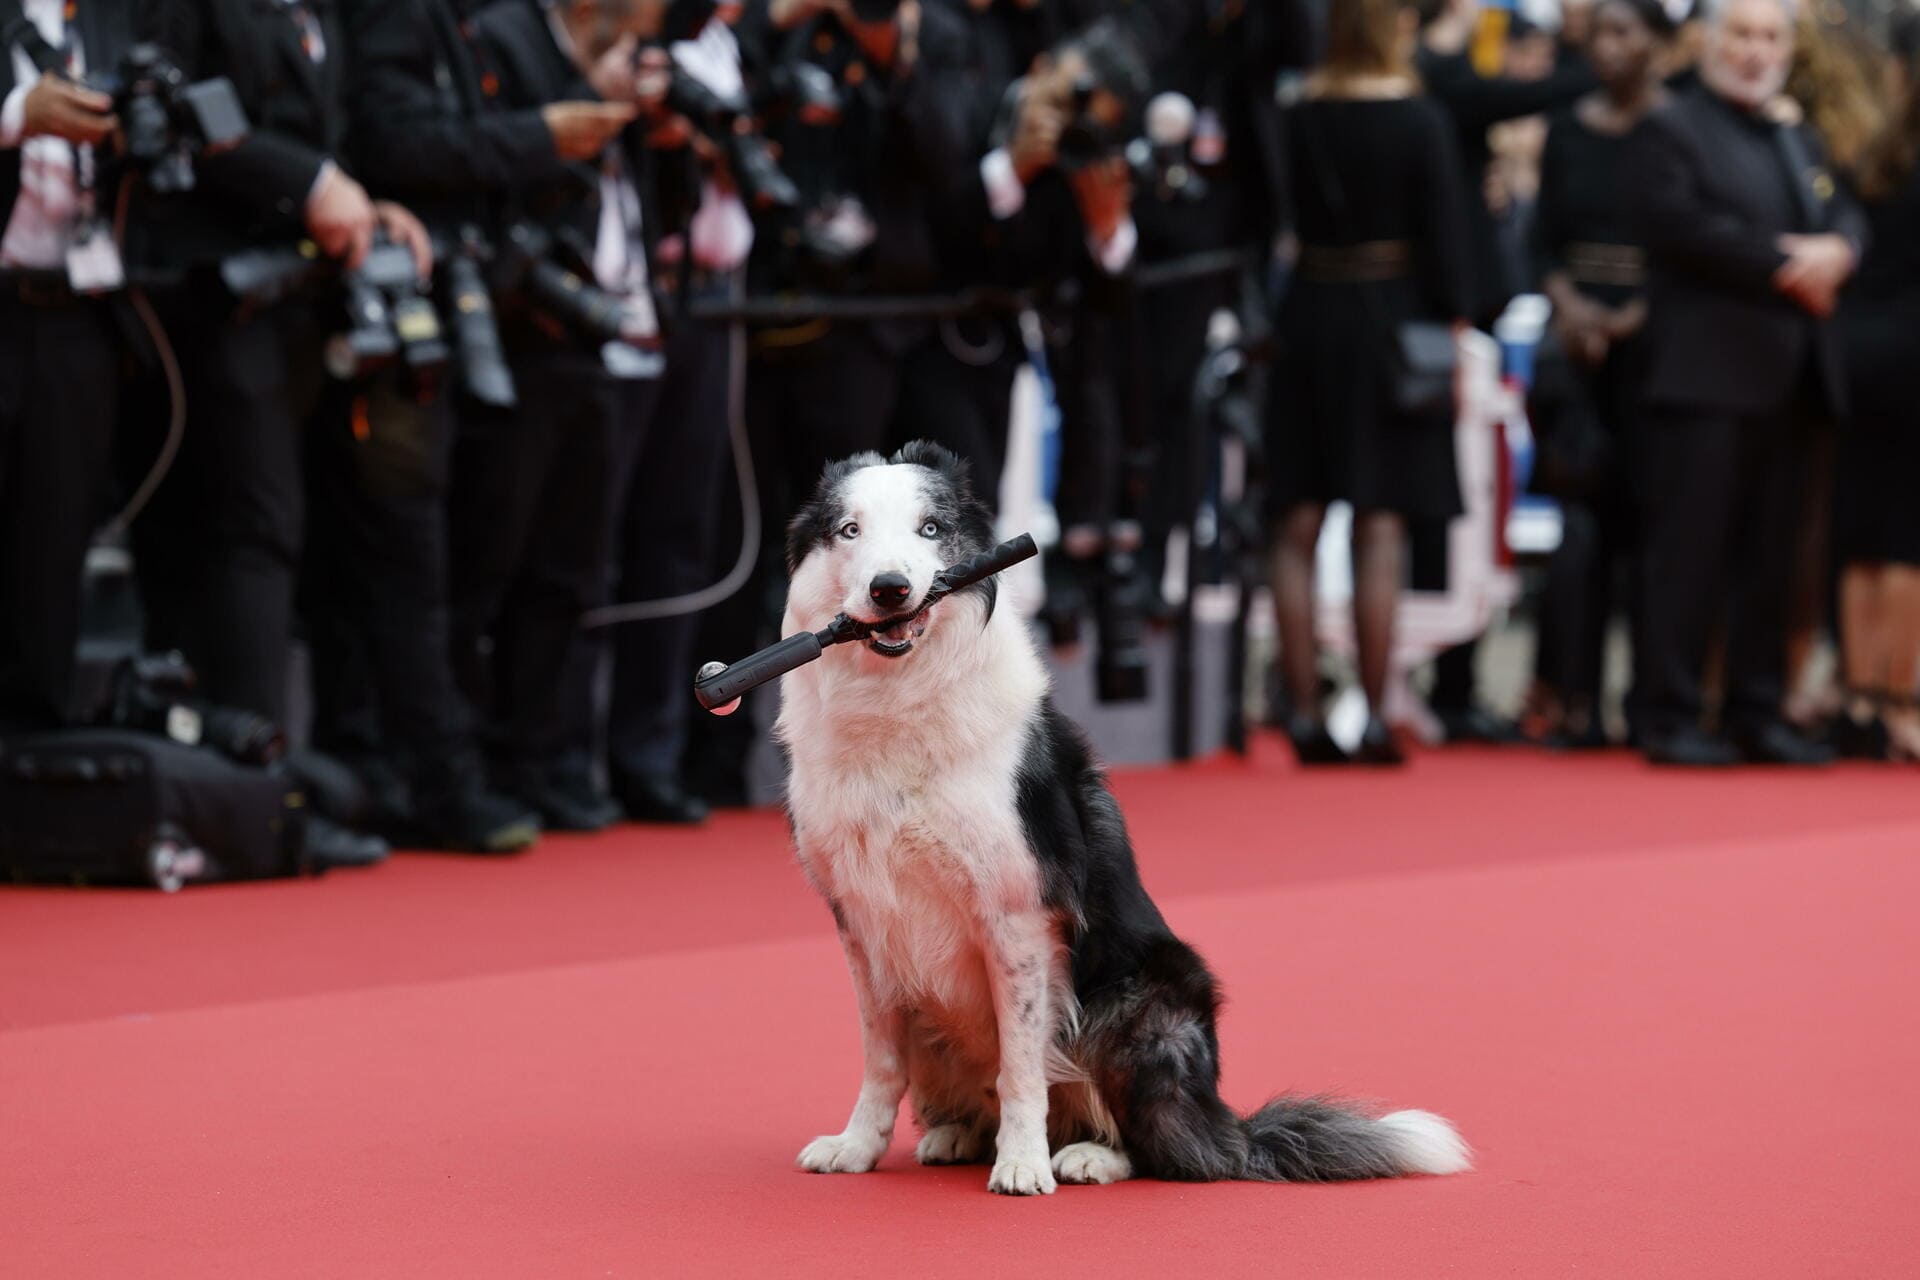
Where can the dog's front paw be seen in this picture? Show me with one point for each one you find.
(843, 1153)
(1091, 1164)
(1022, 1174)
(951, 1144)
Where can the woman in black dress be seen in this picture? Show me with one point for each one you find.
(1380, 212)
(1582, 404)
(1877, 506)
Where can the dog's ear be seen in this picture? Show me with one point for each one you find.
(817, 519)
(934, 457)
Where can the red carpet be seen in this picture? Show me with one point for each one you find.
(1676, 1016)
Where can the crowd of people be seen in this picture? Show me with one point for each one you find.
(421, 332)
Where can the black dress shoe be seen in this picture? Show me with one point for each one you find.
(659, 798)
(1859, 739)
(565, 798)
(1312, 744)
(1378, 746)
(1778, 743)
(471, 819)
(1477, 724)
(1690, 749)
(331, 845)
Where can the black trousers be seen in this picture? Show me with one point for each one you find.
(375, 584)
(528, 540)
(59, 400)
(1724, 509)
(220, 548)
(957, 391)
(669, 455)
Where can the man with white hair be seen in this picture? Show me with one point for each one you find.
(1749, 240)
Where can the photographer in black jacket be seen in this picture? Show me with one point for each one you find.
(421, 130)
(225, 536)
(532, 494)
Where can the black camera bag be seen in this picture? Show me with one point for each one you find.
(117, 806)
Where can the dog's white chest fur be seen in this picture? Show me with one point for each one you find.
(903, 801)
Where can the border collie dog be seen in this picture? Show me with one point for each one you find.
(1012, 975)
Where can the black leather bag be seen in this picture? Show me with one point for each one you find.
(121, 807)
(1573, 450)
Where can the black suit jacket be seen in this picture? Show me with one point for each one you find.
(1712, 189)
(103, 28)
(421, 128)
(255, 193)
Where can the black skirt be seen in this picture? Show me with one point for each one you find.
(1333, 433)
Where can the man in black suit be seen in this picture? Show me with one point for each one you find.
(532, 495)
(420, 130)
(59, 356)
(223, 542)
(1749, 241)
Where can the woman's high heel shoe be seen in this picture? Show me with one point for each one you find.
(1312, 744)
(1378, 746)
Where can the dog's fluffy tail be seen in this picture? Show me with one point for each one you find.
(1322, 1140)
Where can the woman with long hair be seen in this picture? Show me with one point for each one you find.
(1594, 271)
(1379, 212)
(1877, 511)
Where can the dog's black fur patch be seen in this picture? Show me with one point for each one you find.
(1148, 1002)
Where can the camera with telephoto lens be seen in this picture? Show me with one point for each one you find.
(167, 120)
(483, 370)
(160, 694)
(390, 317)
(552, 272)
(727, 120)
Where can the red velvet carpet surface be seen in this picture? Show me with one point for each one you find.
(1675, 1015)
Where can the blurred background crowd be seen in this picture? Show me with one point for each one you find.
(437, 376)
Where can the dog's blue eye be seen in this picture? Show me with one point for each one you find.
(849, 530)
(930, 530)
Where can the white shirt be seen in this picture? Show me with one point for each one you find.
(43, 218)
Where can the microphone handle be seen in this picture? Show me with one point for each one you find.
(755, 670)
(985, 565)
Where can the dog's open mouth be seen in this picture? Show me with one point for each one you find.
(896, 638)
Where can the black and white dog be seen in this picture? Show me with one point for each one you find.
(1011, 972)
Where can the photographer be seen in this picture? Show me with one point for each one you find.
(1050, 206)
(532, 498)
(59, 353)
(421, 131)
(671, 446)
(224, 538)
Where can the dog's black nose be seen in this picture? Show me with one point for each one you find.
(889, 589)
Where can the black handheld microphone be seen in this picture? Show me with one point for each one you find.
(718, 686)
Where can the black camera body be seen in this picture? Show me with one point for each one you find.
(160, 694)
(168, 120)
(390, 318)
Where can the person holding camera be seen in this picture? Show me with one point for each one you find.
(532, 499)
(59, 354)
(222, 544)
(422, 130)
(669, 454)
